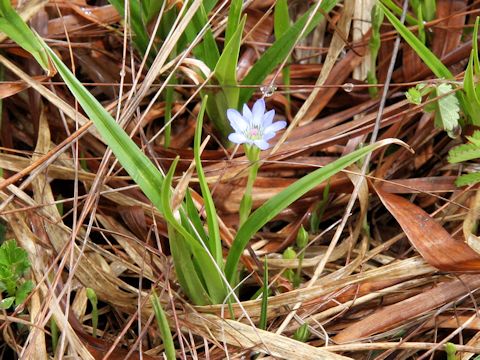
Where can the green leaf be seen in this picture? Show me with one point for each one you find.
(135, 162)
(151, 8)
(141, 37)
(429, 8)
(279, 202)
(233, 20)
(226, 76)
(281, 18)
(302, 333)
(414, 96)
(467, 151)
(14, 258)
(476, 61)
(194, 217)
(447, 112)
(264, 307)
(281, 21)
(15, 28)
(214, 241)
(471, 92)
(187, 275)
(226, 69)
(162, 323)
(451, 351)
(207, 50)
(398, 10)
(7, 302)
(209, 273)
(428, 57)
(23, 291)
(281, 48)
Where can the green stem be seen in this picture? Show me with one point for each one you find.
(253, 154)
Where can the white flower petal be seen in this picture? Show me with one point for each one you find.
(237, 138)
(257, 111)
(268, 136)
(278, 125)
(262, 144)
(247, 114)
(268, 118)
(237, 121)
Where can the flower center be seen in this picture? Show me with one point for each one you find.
(254, 133)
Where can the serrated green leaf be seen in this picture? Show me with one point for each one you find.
(468, 179)
(463, 153)
(447, 111)
(7, 302)
(414, 96)
(14, 258)
(475, 138)
(23, 291)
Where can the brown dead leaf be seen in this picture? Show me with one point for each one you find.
(400, 313)
(431, 240)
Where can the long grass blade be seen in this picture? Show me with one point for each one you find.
(273, 206)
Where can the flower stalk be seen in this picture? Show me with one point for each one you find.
(253, 155)
(253, 128)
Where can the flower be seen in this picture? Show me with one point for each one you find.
(254, 126)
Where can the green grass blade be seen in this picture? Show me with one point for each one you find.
(281, 21)
(207, 50)
(280, 49)
(150, 8)
(135, 162)
(226, 69)
(428, 57)
(263, 314)
(429, 9)
(185, 270)
(233, 20)
(281, 18)
(15, 28)
(141, 37)
(162, 323)
(194, 217)
(276, 204)
(470, 89)
(214, 243)
(398, 10)
(209, 273)
(476, 61)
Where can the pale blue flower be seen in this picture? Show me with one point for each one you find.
(254, 126)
